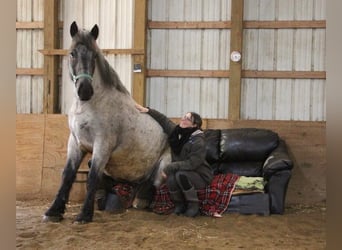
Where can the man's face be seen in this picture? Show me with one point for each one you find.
(186, 121)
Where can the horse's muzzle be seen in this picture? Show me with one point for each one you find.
(85, 90)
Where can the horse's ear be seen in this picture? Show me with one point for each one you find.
(73, 29)
(95, 31)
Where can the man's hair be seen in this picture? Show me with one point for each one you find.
(196, 119)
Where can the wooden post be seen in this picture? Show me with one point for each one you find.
(235, 67)
(51, 61)
(139, 43)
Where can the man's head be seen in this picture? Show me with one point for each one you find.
(191, 119)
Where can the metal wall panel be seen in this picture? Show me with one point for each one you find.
(29, 89)
(278, 49)
(284, 49)
(188, 50)
(115, 21)
(263, 49)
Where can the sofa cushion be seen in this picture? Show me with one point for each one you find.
(247, 144)
(242, 168)
(213, 138)
(257, 203)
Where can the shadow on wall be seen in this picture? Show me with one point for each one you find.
(307, 184)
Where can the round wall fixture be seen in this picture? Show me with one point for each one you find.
(235, 56)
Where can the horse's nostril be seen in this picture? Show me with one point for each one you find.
(85, 91)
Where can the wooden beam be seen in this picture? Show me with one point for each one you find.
(135, 51)
(187, 73)
(189, 25)
(235, 67)
(34, 71)
(284, 74)
(304, 24)
(34, 25)
(244, 74)
(51, 62)
(139, 44)
(63, 52)
(30, 71)
(54, 52)
(312, 24)
(29, 25)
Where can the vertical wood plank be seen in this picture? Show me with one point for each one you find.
(24, 58)
(51, 62)
(235, 67)
(29, 153)
(140, 24)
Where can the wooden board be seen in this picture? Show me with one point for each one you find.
(29, 153)
(55, 150)
(42, 144)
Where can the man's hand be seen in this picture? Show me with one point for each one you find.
(141, 108)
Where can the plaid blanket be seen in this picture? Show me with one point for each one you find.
(213, 199)
(125, 192)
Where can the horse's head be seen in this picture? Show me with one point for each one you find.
(82, 58)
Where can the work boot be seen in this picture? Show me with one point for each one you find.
(178, 200)
(192, 202)
(101, 198)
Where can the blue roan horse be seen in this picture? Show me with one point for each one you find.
(103, 121)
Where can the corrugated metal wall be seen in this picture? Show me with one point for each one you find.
(284, 49)
(29, 88)
(264, 49)
(198, 49)
(115, 21)
(192, 50)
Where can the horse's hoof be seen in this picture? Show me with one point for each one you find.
(82, 220)
(56, 218)
(79, 222)
(140, 203)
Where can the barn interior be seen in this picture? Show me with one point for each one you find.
(162, 51)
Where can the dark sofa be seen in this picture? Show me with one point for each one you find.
(252, 152)
(248, 152)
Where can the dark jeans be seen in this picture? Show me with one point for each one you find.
(184, 180)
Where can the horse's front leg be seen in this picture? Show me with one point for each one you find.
(98, 163)
(74, 159)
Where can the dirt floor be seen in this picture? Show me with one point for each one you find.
(301, 227)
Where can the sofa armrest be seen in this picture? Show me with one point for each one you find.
(278, 160)
(276, 188)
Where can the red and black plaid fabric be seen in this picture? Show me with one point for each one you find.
(213, 199)
(125, 192)
(162, 203)
(216, 197)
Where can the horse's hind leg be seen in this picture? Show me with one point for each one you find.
(57, 209)
(144, 195)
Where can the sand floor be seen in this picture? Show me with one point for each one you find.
(301, 227)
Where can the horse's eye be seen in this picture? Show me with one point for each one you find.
(72, 54)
